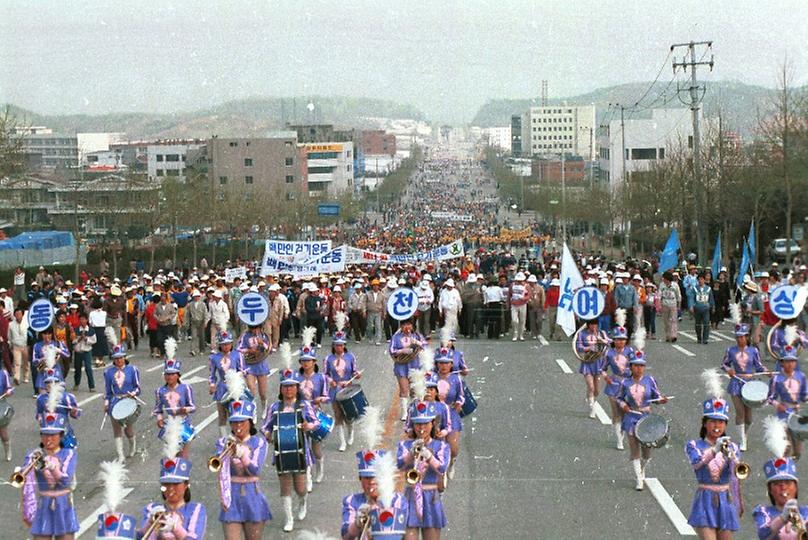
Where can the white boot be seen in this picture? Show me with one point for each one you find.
(591, 407)
(320, 470)
(7, 447)
(643, 466)
(132, 446)
(119, 448)
(309, 482)
(263, 409)
(742, 430)
(638, 474)
(618, 433)
(350, 434)
(301, 507)
(404, 404)
(342, 444)
(224, 431)
(514, 336)
(287, 511)
(451, 470)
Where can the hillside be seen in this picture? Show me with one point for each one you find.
(246, 117)
(740, 102)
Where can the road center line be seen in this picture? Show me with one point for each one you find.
(89, 399)
(683, 350)
(669, 507)
(563, 365)
(90, 521)
(602, 416)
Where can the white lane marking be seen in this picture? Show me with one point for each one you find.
(89, 399)
(194, 371)
(195, 380)
(206, 422)
(563, 365)
(485, 359)
(728, 338)
(602, 416)
(90, 521)
(155, 368)
(689, 336)
(669, 507)
(683, 350)
(543, 340)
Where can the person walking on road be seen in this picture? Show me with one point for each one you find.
(701, 304)
(670, 298)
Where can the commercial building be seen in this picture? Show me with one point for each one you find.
(329, 167)
(498, 137)
(377, 143)
(516, 135)
(548, 170)
(90, 143)
(558, 128)
(57, 150)
(167, 158)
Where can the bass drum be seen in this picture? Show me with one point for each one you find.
(288, 440)
(652, 431)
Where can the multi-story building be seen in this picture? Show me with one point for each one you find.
(377, 142)
(557, 129)
(329, 167)
(646, 141)
(498, 137)
(91, 143)
(57, 150)
(549, 170)
(516, 135)
(167, 158)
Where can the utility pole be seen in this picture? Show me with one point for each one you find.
(626, 222)
(563, 201)
(695, 101)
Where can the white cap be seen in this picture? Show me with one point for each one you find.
(337, 288)
(636, 277)
(243, 287)
(253, 289)
(449, 283)
(520, 276)
(472, 278)
(423, 285)
(217, 293)
(196, 293)
(532, 279)
(401, 281)
(604, 281)
(274, 287)
(427, 277)
(555, 282)
(357, 285)
(391, 283)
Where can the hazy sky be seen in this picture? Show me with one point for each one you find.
(445, 57)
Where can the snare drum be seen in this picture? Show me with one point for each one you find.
(754, 393)
(287, 438)
(186, 435)
(126, 411)
(326, 425)
(69, 438)
(798, 424)
(652, 431)
(352, 402)
(470, 404)
(6, 413)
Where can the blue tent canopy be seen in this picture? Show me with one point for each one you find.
(39, 240)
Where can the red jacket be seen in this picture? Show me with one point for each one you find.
(552, 297)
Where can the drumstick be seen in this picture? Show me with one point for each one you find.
(272, 372)
(632, 411)
(660, 399)
(6, 393)
(103, 421)
(358, 373)
(133, 396)
(460, 371)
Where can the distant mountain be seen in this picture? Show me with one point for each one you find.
(245, 117)
(739, 102)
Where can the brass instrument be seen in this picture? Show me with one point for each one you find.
(769, 337)
(18, 476)
(588, 356)
(406, 358)
(742, 469)
(215, 462)
(157, 521)
(414, 475)
(797, 524)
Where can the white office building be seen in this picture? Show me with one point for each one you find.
(559, 129)
(329, 167)
(167, 158)
(498, 137)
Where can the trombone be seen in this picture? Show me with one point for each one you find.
(414, 475)
(215, 462)
(18, 476)
(742, 469)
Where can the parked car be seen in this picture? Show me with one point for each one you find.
(777, 249)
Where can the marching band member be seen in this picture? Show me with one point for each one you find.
(177, 517)
(340, 368)
(635, 398)
(47, 483)
(459, 361)
(450, 390)
(785, 518)
(175, 398)
(377, 508)
(254, 346)
(45, 358)
(424, 459)
(616, 360)
(220, 363)
(58, 400)
(113, 524)
(718, 503)
(290, 400)
(404, 347)
(424, 384)
(741, 362)
(788, 391)
(241, 456)
(121, 380)
(787, 333)
(313, 388)
(590, 341)
(6, 389)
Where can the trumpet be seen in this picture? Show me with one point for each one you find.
(742, 469)
(414, 475)
(797, 524)
(18, 476)
(158, 520)
(215, 462)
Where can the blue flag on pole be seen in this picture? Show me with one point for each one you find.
(752, 244)
(670, 255)
(744, 265)
(717, 257)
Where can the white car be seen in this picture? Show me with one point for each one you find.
(777, 249)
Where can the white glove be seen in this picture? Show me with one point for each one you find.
(790, 505)
(719, 444)
(52, 463)
(242, 451)
(169, 522)
(362, 515)
(426, 454)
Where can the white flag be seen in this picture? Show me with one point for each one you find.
(571, 280)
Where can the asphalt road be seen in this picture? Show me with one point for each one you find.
(532, 464)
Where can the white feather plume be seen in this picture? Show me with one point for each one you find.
(712, 383)
(418, 383)
(735, 312)
(385, 467)
(113, 474)
(171, 348)
(774, 435)
(790, 334)
(235, 383)
(340, 321)
(620, 316)
(50, 356)
(371, 427)
(285, 351)
(445, 336)
(638, 339)
(55, 394)
(112, 336)
(316, 534)
(309, 333)
(427, 358)
(172, 437)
